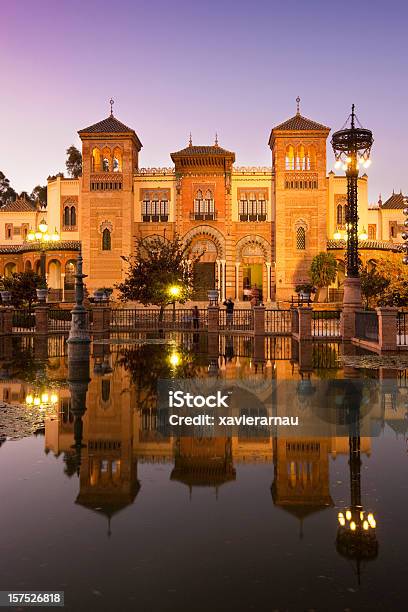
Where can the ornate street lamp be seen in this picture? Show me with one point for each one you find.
(352, 147)
(174, 293)
(43, 238)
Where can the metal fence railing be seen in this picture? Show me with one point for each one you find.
(23, 321)
(240, 320)
(367, 325)
(59, 320)
(278, 321)
(128, 319)
(402, 328)
(295, 321)
(326, 323)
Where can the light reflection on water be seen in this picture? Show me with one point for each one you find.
(104, 505)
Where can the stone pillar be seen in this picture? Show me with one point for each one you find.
(351, 303)
(387, 328)
(259, 349)
(41, 319)
(213, 315)
(63, 285)
(268, 281)
(101, 318)
(305, 323)
(7, 315)
(218, 283)
(237, 264)
(223, 279)
(259, 319)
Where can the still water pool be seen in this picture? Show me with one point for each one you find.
(101, 502)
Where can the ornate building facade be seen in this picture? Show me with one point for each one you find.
(256, 225)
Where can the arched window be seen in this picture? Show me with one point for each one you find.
(311, 158)
(301, 239)
(67, 217)
(117, 160)
(106, 240)
(106, 159)
(105, 390)
(73, 216)
(10, 269)
(209, 203)
(199, 203)
(340, 218)
(96, 160)
(290, 158)
(300, 158)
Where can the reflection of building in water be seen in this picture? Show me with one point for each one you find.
(301, 484)
(201, 462)
(108, 474)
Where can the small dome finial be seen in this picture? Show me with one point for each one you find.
(216, 140)
(298, 105)
(190, 141)
(111, 102)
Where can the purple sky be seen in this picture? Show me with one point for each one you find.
(228, 66)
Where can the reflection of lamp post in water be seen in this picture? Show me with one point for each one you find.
(356, 535)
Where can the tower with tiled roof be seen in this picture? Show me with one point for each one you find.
(110, 151)
(299, 229)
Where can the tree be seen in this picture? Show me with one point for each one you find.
(7, 193)
(39, 193)
(158, 265)
(24, 195)
(323, 270)
(74, 162)
(22, 286)
(391, 268)
(373, 286)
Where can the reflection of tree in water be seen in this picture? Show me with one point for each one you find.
(149, 363)
(22, 363)
(325, 360)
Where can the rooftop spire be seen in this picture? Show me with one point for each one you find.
(190, 142)
(111, 102)
(216, 140)
(298, 105)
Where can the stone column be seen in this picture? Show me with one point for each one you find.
(268, 281)
(213, 314)
(41, 319)
(218, 283)
(387, 328)
(63, 285)
(305, 323)
(237, 264)
(259, 319)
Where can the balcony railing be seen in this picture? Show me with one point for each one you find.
(155, 218)
(256, 217)
(201, 216)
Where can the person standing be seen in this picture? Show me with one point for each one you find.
(229, 305)
(196, 317)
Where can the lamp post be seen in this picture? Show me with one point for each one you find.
(43, 238)
(174, 292)
(352, 147)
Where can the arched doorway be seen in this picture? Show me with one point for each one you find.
(69, 280)
(253, 268)
(210, 270)
(54, 280)
(9, 269)
(27, 266)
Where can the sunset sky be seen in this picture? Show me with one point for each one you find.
(230, 67)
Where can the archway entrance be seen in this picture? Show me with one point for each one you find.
(252, 275)
(205, 271)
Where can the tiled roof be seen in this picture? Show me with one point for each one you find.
(18, 205)
(107, 126)
(300, 123)
(375, 245)
(191, 151)
(395, 201)
(64, 245)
